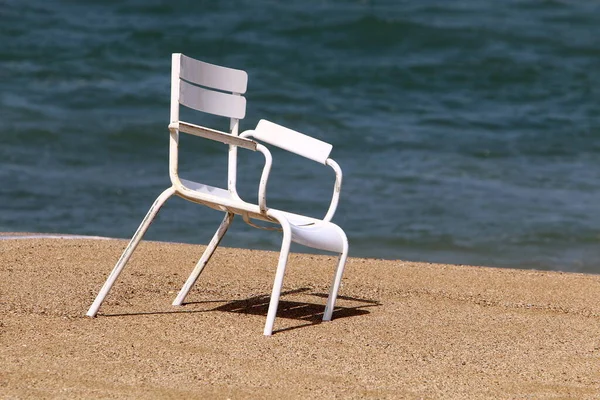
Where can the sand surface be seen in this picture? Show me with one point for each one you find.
(400, 329)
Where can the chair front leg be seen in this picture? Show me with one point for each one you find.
(135, 240)
(337, 280)
(210, 249)
(278, 283)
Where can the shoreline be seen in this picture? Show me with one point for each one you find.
(400, 329)
(69, 236)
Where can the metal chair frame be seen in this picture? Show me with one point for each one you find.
(218, 90)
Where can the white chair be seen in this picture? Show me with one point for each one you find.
(190, 80)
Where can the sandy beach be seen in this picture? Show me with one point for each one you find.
(400, 329)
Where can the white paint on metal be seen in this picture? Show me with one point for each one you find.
(279, 274)
(337, 280)
(234, 127)
(212, 102)
(135, 240)
(316, 233)
(213, 134)
(264, 178)
(175, 90)
(337, 188)
(292, 141)
(213, 76)
(208, 252)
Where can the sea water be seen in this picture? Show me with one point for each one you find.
(468, 131)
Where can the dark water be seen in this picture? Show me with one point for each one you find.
(469, 132)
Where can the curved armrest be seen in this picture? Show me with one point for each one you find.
(337, 188)
(264, 178)
(305, 146)
(262, 190)
(292, 141)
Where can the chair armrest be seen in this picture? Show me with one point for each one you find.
(262, 191)
(292, 141)
(264, 178)
(337, 188)
(213, 134)
(304, 146)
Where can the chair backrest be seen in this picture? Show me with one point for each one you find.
(206, 87)
(211, 89)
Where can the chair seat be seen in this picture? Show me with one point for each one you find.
(209, 190)
(307, 231)
(319, 235)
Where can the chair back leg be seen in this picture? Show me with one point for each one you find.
(135, 240)
(210, 249)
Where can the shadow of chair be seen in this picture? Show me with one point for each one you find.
(311, 313)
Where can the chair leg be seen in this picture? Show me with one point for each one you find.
(160, 200)
(278, 283)
(210, 249)
(337, 280)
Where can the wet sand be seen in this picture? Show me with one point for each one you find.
(400, 329)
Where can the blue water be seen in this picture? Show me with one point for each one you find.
(468, 131)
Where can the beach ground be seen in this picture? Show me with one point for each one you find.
(400, 330)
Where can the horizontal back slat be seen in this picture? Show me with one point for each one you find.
(213, 76)
(290, 140)
(209, 101)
